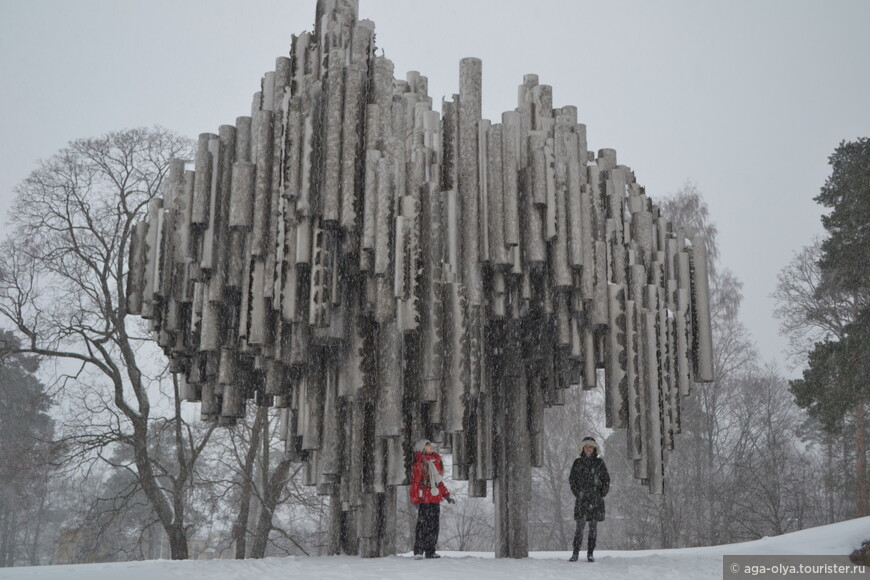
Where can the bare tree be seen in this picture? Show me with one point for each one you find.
(245, 479)
(468, 524)
(809, 310)
(62, 288)
(272, 475)
(770, 498)
(254, 485)
(687, 209)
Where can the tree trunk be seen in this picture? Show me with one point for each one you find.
(12, 526)
(177, 542)
(240, 526)
(558, 513)
(665, 521)
(7, 537)
(171, 522)
(860, 459)
(33, 551)
(271, 495)
(829, 495)
(710, 495)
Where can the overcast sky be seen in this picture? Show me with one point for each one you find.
(747, 99)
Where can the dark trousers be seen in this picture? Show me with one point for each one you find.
(428, 524)
(593, 535)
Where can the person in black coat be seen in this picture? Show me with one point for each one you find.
(589, 482)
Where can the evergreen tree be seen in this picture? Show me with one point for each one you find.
(822, 387)
(847, 193)
(26, 431)
(833, 388)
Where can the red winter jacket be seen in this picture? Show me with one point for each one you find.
(421, 491)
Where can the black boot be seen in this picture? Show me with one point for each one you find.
(590, 557)
(574, 556)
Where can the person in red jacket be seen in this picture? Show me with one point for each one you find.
(427, 493)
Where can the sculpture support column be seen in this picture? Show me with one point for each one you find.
(512, 481)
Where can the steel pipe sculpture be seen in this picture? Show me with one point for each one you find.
(382, 273)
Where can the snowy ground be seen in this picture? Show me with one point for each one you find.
(683, 564)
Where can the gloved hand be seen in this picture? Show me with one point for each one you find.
(450, 500)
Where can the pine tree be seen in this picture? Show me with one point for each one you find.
(847, 192)
(834, 388)
(26, 432)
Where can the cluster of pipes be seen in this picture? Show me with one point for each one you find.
(382, 273)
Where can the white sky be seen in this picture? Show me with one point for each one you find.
(745, 98)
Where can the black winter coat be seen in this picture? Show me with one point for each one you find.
(589, 482)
